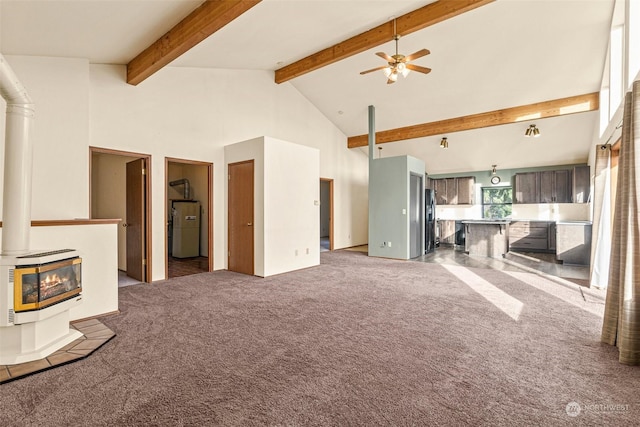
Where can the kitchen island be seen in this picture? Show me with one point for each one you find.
(574, 242)
(487, 237)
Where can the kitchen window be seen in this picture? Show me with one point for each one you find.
(496, 202)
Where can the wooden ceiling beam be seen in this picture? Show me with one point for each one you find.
(208, 18)
(406, 24)
(539, 110)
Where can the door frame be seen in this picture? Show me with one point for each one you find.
(209, 166)
(330, 181)
(421, 214)
(147, 201)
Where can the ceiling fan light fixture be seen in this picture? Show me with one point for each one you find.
(536, 132)
(399, 64)
(444, 143)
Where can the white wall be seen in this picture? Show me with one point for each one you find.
(193, 113)
(179, 112)
(60, 90)
(292, 206)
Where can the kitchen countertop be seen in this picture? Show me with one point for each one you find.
(486, 221)
(510, 220)
(574, 222)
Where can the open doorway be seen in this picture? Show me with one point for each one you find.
(120, 188)
(188, 216)
(326, 214)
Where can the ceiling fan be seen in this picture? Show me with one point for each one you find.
(399, 64)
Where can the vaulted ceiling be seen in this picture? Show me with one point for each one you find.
(500, 55)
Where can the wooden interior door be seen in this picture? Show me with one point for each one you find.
(240, 214)
(136, 219)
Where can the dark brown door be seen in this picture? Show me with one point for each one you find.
(135, 219)
(240, 212)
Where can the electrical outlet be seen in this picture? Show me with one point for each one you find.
(307, 251)
(296, 252)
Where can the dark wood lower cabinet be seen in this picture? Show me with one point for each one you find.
(534, 236)
(447, 231)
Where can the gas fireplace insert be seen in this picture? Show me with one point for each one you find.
(41, 285)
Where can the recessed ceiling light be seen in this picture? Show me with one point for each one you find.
(280, 63)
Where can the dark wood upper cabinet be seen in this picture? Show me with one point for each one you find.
(581, 184)
(555, 186)
(526, 188)
(454, 191)
(465, 186)
(562, 186)
(440, 187)
(547, 184)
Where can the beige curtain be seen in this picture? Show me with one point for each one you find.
(601, 247)
(621, 326)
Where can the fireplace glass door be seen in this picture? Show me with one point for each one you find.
(39, 286)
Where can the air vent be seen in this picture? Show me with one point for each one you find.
(11, 315)
(11, 275)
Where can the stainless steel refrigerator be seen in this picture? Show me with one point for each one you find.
(430, 220)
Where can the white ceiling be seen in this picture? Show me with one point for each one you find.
(504, 54)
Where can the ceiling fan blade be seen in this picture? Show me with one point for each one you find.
(418, 68)
(418, 54)
(374, 69)
(385, 56)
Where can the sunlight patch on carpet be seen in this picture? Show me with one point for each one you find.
(505, 302)
(572, 296)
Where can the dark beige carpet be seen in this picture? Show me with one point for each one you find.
(355, 341)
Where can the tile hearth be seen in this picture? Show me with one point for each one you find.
(96, 334)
